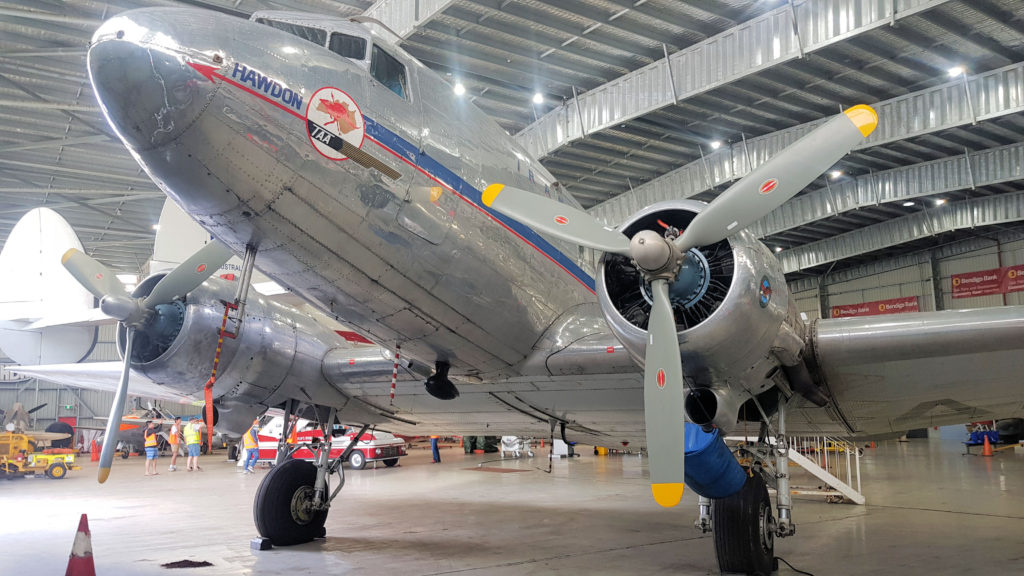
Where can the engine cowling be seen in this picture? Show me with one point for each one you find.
(730, 300)
(280, 353)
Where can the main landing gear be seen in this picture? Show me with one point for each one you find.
(294, 498)
(743, 527)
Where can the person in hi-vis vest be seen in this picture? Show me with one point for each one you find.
(151, 436)
(193, 437)
(251, 441)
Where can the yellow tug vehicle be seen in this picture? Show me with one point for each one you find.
(18, 458)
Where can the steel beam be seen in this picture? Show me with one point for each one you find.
(760, 43)
(953, 216)
(997, 93)
(403, 16)
(1002, 164)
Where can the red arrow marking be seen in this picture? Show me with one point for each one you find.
(210, 72)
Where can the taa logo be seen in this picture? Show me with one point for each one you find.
(333, 120)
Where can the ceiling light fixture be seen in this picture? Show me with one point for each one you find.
(459, 89)
(940, 201)
(778, 248)
(956, 71)
(538, 98)
(908, 203)
(156, 226)
(835, 174)
(716, 145)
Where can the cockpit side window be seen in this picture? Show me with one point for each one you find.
(387, 70)
(308, 33)
(348, 46)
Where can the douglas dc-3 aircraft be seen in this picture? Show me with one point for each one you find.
(349, 173)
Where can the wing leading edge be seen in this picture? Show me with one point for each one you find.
(888, 374)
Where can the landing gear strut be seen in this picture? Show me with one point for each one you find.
(743, 525)
(294, 498)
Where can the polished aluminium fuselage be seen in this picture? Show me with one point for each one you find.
(414, 260)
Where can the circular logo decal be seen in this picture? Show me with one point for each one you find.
(661, 378)
(765, 292)
(561, 220)
(768, 186)
(333, 120)
(201, 268)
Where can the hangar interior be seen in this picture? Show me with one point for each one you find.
(626, 103)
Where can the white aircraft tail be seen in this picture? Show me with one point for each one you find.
(46, 316)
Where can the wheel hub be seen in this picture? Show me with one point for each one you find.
(302, 505)
(766, 527)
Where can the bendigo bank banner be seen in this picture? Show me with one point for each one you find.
(987, 282)
(893, 306)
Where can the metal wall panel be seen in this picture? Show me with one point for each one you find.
(760, 43)
(403, 16)
(991, 166)
(966, 214)
(994, 93)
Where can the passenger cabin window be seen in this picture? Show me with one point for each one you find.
(387, 70)
(314, 35)
(352, 47)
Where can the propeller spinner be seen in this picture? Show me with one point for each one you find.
(659, 257)
(134, 313)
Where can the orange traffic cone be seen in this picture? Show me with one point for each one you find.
(80, 562)
(94, 452)
(987, 450)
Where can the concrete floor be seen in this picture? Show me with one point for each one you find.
(930, 511)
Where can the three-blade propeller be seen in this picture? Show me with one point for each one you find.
(135, 312)
(658, 258)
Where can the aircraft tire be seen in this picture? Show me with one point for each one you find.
(278, 508)
(742, 528)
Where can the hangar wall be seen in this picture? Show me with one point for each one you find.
(915, 275)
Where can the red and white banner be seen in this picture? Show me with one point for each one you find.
(987, 282)
(891, 306)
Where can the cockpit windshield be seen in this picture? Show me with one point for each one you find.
(308, 33)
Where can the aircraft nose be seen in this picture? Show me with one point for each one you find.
(142, 80)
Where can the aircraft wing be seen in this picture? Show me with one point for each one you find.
(100, 376)
(891, 373)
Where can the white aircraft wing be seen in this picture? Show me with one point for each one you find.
(891, 373)
(100, 376)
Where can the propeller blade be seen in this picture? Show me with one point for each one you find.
(116, 411)
(92, 275)
(552, 217)
(188, 275)
(663, 400)
(769, 185)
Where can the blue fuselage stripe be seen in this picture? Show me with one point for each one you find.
(407, 150)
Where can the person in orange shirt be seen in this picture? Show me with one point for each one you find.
(172, 439)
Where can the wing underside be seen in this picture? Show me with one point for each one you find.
(888, 374)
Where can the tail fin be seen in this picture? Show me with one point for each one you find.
(39, 298)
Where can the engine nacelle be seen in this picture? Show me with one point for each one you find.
(280, 353)
(730, 300)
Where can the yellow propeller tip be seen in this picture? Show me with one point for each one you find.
(103, 475)
(490, 193)
(67, 255)
(667, 495)
(863, 117)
